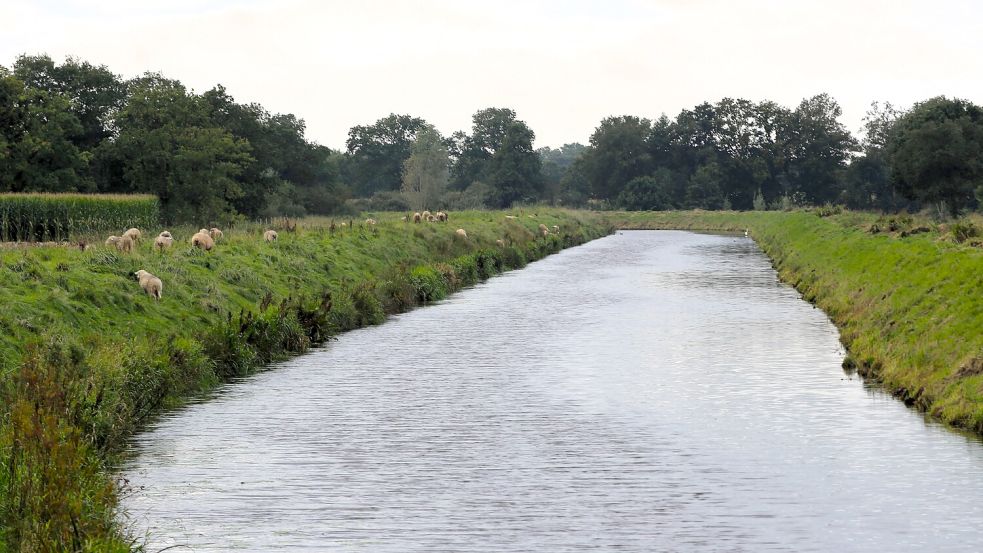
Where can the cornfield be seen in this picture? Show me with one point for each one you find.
(58, 217)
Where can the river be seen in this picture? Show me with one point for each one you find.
(649, 391)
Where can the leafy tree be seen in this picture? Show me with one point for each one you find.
(36, 151)
(377, 152)
(819, 147)
(167, 146)
(556, 163)
(936, 152)
(703, 190)
(618, 153)
(499, 153)
(425, 173)
(653, 193)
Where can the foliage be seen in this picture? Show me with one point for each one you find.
(60, 217)
(378, 152)
(647, 193)
(425, 173)
(936, 152)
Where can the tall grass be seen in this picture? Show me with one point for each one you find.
(59, 217)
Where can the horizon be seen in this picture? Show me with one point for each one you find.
(552, 64)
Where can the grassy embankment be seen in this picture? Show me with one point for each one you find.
(909, 306)
(86, 357)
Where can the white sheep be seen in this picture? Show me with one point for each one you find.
(202, 240)
(271, 235)
(162, 242)
(134, 234)
(123, 243)
(417, 217)
(215, 233)
(460, 232)
(370, 221)
(150, 284)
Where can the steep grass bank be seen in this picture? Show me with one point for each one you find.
(906, 294)
(86, 357)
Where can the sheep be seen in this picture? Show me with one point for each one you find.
(431, 219)
(500, 243)
(542, 227)
(163, 242)
(370, 221)
(545, 232)
(403, 219)
(441, 216)
(460, 232)
(426, 215)
(215, 234)
(123, 243)
(202, 240)
(417, 217)
(165, 234)
(556, 228)
(150, 284)
(511, 217)
(271, 235)
(134, 234)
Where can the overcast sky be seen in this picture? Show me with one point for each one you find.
(562, 65)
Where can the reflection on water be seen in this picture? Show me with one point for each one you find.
(653, 390)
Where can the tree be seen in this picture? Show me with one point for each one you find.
(867, 181)
(819, 147)
(618, 153)
(499, 153)
(425, 173)
(377, 152)
(36, 151)
(556, 163)
(936, 152)
(167, 146)
(653, 193)
(94, 94)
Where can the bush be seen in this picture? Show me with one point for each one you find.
(963, 231)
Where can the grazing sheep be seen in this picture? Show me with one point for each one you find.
(556, 228)
(542, 227)
(150, 284)
(134, 234)
(403, 219)
(441, 216)
(511, 217)
(215, 234)
(417, 217)
(460, 232)
(166, 234)
(370, 221)
(123, 243)
(202, 240)
(162, 242)
(426, 215)
(271, 235)
(431, 219)
(500, 242)
(545, 231)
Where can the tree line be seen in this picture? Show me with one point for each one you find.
(79, 127)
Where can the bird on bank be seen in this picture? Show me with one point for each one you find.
(746, 233)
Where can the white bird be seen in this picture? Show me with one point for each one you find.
(745, 232)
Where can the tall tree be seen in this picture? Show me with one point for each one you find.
(425, 173)
(936, 152)
(618, 153)
(819, 147)
(36, 150)
(376, 153)
(498, 153)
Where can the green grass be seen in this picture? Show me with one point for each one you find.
(87, 358)
(909, 306)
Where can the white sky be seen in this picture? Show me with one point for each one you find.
(562, 65)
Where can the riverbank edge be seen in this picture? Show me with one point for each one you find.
(68, 422)
(904, 304)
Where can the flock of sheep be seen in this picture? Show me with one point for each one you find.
(205, 239)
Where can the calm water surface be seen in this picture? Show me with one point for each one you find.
(650, 391)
